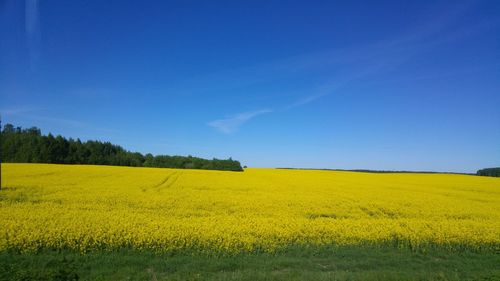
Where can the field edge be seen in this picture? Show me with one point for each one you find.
(295, 263)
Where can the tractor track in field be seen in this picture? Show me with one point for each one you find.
(167, 182)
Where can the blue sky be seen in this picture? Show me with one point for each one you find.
(404, 85)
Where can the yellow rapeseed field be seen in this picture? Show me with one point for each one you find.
(101, 207)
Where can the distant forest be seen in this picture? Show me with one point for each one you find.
(381, 171)
(30, 146)
(490, 172)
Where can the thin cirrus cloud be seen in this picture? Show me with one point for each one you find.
(351, 64)
(32, 30)
(36, 114)
(231, 124)
(16, 110)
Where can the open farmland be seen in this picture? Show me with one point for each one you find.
(168, 210)
(103, 222)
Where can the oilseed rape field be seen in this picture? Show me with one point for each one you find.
(87, 208)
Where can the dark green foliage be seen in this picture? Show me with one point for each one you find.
(52, 269)
(490, 172)
(30, 146)
(379, 171)
(295, 263)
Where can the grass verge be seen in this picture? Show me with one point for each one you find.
(295, 263)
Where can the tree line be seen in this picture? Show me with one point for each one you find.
(31, 146)
(490, 172)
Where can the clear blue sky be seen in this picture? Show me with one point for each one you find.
(406, 85)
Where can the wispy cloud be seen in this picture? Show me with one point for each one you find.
(60, 121)
(348, 66)
(19, 110)
(336, 84)
(388, 55)
(36, 114)
(231, 124)
(32, 29)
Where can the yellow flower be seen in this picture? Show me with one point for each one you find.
(102, 207)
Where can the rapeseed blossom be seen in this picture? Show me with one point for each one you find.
(166, 210)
